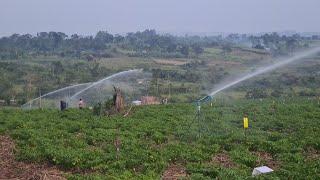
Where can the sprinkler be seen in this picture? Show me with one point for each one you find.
(198, 115)
(203, 100)
(198, 110)
(199, 102)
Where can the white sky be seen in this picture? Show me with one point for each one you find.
(176, 16)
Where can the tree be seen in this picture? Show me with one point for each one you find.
(226, 48)
(5, 87)
(104, 37)
(118, 38)
(57, 67)
(184, 49)
(197, 49)
(292, 44)
(258, 46)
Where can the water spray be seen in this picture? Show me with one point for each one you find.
(249, 76)
(105, 79)
(258, 72)
(268, 68)
(92, 92)
(53, 93)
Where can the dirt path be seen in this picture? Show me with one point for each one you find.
(12, 169)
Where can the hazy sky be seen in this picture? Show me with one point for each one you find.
(118, 16)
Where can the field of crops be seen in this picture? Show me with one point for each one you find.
(283, 134)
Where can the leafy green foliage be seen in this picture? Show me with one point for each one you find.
(156, 136)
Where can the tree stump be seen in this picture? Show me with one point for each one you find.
(118, 100)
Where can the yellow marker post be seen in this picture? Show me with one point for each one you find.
(245, 123)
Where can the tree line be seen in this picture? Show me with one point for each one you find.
(147, 43)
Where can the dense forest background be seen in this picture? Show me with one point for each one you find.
(138, 44)
(183, 67)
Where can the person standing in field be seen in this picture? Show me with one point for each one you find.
(81, 104)
(63, 105)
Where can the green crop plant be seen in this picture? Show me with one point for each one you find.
(153, 137)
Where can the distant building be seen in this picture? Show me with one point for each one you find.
(140, 81)
(137, 103)
(2, 102)
(13, 102)
(90, 58)
(148, 100)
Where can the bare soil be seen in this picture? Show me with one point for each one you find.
(312, 154)
(222, 62)
(223, 159)
(266, 159)
(12, 169)
(170, 62)
(174, 172)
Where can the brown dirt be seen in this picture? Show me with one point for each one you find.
(174, 172)
(266, 159)
(312, 154)
(223, 159)
(249, 54)
(170, 62)
(222, 62)
(12, 169)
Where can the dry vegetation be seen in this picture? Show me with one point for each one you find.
(10, 168)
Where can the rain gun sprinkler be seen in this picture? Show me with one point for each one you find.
(202, 100)
(198, 110)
